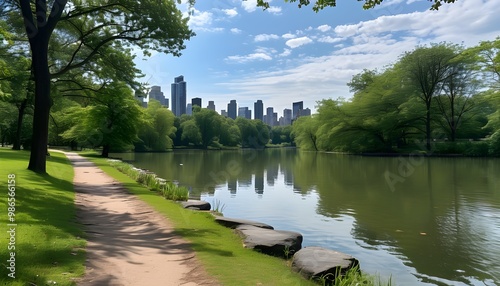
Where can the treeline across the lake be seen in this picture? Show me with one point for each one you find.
(440, 98)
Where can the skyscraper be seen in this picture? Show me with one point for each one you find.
(156, 94)
(189, 109)
(178, 93)
(297, 107)
(245, 112)
(305, 112)
(231, 109)
(196, 101)
(270, 116)
(287, 116)
(211, 105)
(258, 108)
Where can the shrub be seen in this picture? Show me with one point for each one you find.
(168, 190)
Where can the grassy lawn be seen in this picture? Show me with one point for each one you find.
(48, 247)
(217, 247)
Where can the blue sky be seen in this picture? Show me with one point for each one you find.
(287, 54)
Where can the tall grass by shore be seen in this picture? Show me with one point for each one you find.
(168, 190)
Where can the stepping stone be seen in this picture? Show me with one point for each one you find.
(280, 243)
(235, 222)
(317, 262)
(196, 205)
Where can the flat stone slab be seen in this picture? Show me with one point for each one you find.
(235, 222)
(280, 243)
(196, 205)
(316, 262)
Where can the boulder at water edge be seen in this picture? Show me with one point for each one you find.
(196, 205)
(317, 262)
(280, 243)
(235, 222)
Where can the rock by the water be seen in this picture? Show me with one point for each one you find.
(196, 205)
(269, 241)
(317, 262)
(235, 222)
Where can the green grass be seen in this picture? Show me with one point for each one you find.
(168, 190)
(217, 247)
(48, 244)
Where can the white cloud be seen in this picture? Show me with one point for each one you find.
(274, 10)
(285, 53)
(249, 5)
(329, 39)
(230, 12)
(324, 28)
(200, 19)
(235, 31)
(249, 58)
(297, 42)
(288, 36)
(265, 37)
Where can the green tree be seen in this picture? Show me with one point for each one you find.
(425, 69)
(156, 128)
(229, 132)
(149, 25)
(111, 122)
(304, 130)
(191, 133)
(209, 124)
(455, 102)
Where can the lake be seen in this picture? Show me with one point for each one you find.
(423, 221)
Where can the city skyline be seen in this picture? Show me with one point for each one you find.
(271, 117)
(287, 54)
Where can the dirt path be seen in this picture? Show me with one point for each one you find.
(128, 242)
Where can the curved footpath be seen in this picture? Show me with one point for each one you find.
(128, 243)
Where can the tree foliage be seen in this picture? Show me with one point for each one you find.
(86, 30)
(111, 122)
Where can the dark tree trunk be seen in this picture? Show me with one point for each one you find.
(105, 151)
(428, 128)
(20, 117)
(39, 50)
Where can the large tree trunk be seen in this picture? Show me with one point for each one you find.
(20, 117)
(39, 50)
(105, 151)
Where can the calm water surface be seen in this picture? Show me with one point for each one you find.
(425, 221)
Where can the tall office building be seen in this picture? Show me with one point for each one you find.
(196, 101)
(231, 109)
(297, 107)
(305, 112)
(270, 116)
(189, 109)
(211, 105)
(258, 108)
(178, 93)
(287, 116)
(156, 94)
(223, 112)
(245, 112)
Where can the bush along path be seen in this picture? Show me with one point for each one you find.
(168, 190)
(128, 242)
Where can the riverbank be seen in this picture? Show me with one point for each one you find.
(218, 248)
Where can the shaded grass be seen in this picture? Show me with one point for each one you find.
(48, 243)
(218, 248)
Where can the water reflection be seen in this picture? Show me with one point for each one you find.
(434, 220)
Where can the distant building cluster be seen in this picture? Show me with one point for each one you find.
(179, 106)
